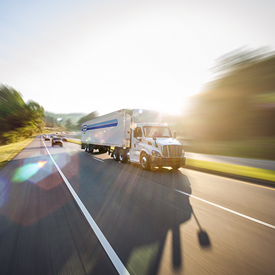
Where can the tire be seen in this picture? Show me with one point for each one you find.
(122, 156)
(176, 167)
(115, 155)
(144, 161)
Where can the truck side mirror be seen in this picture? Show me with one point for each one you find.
(175, 134)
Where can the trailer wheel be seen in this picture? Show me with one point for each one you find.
(115, 155)
(122, 156)
(91, 148)
(144, 161)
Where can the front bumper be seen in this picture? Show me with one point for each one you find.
(167, 161)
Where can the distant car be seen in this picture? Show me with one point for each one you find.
(57, 141)
(46, 138)
(64, 139)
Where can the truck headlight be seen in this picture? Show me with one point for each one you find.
(156, 153)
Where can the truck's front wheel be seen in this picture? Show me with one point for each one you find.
(144, 161)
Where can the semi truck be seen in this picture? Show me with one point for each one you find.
(137, 136)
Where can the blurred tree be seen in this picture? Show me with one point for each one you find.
(50, 121)
(86, 118)
(18, 117)
(68, 124)
(240, 57)
(11, 108)
(229, 108)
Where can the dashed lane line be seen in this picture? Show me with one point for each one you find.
(98, 159)
(229, 210)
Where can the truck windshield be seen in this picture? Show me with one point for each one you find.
(154, 131)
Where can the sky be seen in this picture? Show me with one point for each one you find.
(105, 55)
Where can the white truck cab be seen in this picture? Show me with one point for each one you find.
(152, 146)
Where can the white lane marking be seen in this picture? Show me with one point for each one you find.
(121, 269)
(98, 159)
(229, 210)
(240, 181)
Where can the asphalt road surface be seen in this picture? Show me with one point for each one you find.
(65, 211)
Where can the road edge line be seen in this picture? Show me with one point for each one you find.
(121, 269)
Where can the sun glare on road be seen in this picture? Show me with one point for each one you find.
(41, 163)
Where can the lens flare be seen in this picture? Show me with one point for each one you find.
(25, 172)
(41, 163)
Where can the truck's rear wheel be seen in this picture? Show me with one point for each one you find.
(87, 148)
(122, 156)
(144, 161)
(115, 155)
(91, 148)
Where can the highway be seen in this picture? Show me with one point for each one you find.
(65, 211)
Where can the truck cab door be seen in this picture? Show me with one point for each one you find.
(136, 145)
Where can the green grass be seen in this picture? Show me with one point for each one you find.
(8, 152)
(261, 148)
(245, 171)
(74, 141)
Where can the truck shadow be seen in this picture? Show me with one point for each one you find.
(139, 212)
(144, 227)
(165, 176)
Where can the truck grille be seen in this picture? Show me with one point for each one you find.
(172, 151)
